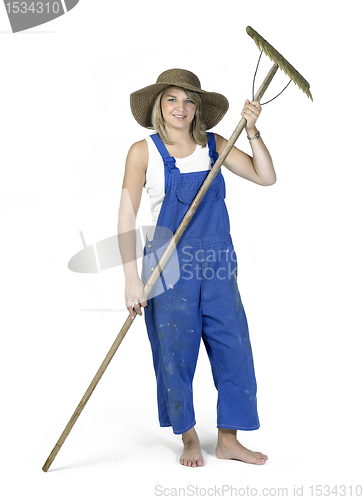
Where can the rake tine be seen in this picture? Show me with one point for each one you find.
(278, 59)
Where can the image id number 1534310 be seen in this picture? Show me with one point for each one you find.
(34, 7)
(324, 490)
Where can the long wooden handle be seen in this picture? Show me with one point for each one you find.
(88, 393)
(157, 270)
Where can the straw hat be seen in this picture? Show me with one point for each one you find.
(214, 106)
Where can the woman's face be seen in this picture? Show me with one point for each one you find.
(177, 109)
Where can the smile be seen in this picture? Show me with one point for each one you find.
(180, 117)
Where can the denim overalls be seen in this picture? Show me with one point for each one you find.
(204, 303)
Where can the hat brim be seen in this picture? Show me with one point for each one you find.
(214, 105)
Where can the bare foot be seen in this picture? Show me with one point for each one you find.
(228, 447)
(191, 456)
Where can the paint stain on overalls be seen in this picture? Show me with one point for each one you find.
(204, 303)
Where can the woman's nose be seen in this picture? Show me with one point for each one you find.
(180, 105)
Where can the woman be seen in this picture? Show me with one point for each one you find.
(205, 301)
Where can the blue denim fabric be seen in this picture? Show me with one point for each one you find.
(204, 303)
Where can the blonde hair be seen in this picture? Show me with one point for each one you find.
(197, 128)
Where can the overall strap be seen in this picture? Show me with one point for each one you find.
(168, 160)
(214, 156)
(212, 148)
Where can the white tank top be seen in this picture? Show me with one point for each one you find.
(154, 183)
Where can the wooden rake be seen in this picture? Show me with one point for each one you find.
(279, 62)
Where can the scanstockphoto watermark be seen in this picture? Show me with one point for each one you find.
(208, 264)
(146, 244)
(163, 261)
(313, 490)
(28, 14)
(208, 255)
(226, 490)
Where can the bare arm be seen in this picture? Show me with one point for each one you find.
(134, 178)
(257, 168)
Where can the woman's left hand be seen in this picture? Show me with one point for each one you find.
(251, 113)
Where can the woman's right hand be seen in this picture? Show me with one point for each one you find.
(134, 295)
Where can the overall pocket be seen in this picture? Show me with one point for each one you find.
(171, 272)
(186, 196)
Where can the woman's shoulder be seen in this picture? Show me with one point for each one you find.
(139, 148)
(137, 159)
(138, 152)
(220, 142)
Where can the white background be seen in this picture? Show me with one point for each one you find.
(65, 129)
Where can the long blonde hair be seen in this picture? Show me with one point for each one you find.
(197, 128)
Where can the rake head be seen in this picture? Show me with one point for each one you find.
(278, 59)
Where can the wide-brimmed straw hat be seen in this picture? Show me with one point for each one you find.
(214, 106)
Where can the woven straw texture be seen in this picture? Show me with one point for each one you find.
(214, 105)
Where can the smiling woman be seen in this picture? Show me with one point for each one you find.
(204, 303)
(184, 105)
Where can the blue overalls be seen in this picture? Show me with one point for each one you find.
(205, 302)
